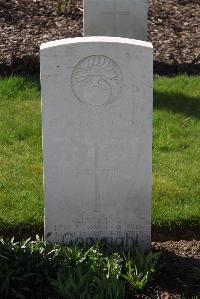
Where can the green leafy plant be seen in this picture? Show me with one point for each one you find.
(23, 271)
(107, 282)
(79, 284)
(94, 276)
(108, 288)
(67, 257)
(140, 268)
(35, 269)
(73, 284)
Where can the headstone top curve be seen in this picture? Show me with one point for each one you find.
(97, 39)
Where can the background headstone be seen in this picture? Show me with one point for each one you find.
(125, 18)
(97, 140)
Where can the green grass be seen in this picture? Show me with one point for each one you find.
(176, 153)
(21, 198)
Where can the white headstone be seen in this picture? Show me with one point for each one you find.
(97, 140)
(125, 18)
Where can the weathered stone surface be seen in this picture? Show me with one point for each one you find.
(125, 18)
(97, 142)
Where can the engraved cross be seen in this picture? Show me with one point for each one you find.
(116, 13)
(97, 173)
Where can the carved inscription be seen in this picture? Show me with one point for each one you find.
(125, 239)
(110, 123)
(96, 80)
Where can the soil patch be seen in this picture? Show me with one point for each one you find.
(178, 276)
(25, 24)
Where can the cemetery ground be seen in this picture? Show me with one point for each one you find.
(29, 270)
(176, 186)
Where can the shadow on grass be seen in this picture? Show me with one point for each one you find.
(178, 103)
(27, 65)
(22, 231)
(165, 69)
(163, 234)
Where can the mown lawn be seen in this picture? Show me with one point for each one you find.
(176, 153)
(21, 198)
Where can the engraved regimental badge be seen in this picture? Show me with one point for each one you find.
(96, 80)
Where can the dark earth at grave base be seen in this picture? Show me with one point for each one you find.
(174, 30)
(176, 278)
(25, 24)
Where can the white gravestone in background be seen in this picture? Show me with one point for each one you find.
(97, 114)
(125, 18)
